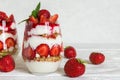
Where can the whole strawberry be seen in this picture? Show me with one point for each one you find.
(74, 68)
(69, 52)
(7, 63)
(44, 12)
(96, 58)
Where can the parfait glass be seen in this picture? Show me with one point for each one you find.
(8, 38)
(42, 47)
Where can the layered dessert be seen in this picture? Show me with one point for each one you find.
(42, 44)
(8, 35)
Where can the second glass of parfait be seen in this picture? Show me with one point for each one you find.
(8, 35)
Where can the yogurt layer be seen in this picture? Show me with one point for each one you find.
(34, 41)
(42, 67)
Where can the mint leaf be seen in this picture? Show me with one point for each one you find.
(35, 12)
(38, 7)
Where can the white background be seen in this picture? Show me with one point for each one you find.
(82, 21)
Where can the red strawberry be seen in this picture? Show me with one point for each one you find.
(43, 50)
(11, 18)
(7, 63)
(9, 21)
(43, 19)
(45, 13)
(1, 45)
(12, 31)
(74, 68)
(10, 42)
(96, 58)
(53, 18)
(3, 16)
(69, 52)
(33, 19)
(28, 53)
(55, 50)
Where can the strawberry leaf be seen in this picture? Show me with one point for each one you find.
(34, 13)
(82, 61)
(38, 7)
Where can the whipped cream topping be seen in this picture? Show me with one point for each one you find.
(13, 25)
(4, 36)
(44, 29)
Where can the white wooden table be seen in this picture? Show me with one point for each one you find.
(109, 70)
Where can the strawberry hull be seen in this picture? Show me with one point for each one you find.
(46, 44)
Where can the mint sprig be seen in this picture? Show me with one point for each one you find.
(34, 13)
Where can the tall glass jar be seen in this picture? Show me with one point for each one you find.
(42, 47)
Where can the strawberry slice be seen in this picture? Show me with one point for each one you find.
(1, 45)
(33, 19)
(12, 31)
(3, 16)
(53, 18)
(10, 42)
(55, 50)
(43, 19)
(28, 53)
(43, 50)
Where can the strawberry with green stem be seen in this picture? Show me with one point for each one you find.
(74, 67)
